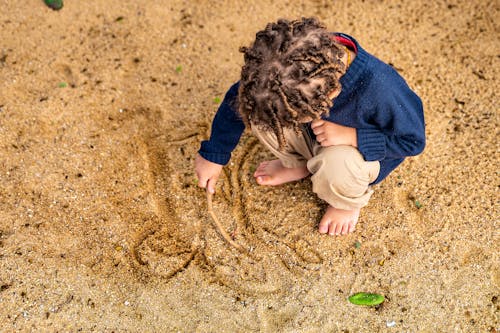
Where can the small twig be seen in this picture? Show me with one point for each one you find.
(221, 231)
(177, 142)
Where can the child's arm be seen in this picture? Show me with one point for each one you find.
(399, 129)
(391, 126)
(227, 128)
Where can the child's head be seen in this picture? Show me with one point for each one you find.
(289, 71)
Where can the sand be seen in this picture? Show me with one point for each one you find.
(102, 227)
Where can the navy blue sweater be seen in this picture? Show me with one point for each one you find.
(375, 99)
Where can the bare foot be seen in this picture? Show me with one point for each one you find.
(274, 173)
(338, 221)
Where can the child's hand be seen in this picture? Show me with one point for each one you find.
(331, 134)
(207, 173)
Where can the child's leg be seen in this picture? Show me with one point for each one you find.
(291, 164)
(342, 178)
(298, 149)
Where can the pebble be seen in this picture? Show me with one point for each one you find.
(391, 323)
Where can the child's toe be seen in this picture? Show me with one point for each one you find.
(345, 229)
(323, 226)
(263, 180)
(332, 230)
(338, 229)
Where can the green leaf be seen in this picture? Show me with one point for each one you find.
(217, 100)
(62, 85)
(418, 204)
(366, 299)
(54, 4)
(357, 244)
(178, 69)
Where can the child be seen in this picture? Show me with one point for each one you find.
(323, 106)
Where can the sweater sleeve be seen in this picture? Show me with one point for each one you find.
(399, 127)
(227, 128)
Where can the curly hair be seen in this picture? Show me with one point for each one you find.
(289, 70)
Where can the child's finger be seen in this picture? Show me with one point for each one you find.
(211, 184)
(316, 123)
(202, 182)
(318, 130)
(325, 143)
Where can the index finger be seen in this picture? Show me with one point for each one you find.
(316, 123)
(211, 184)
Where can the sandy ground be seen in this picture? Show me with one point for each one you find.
(102, 228)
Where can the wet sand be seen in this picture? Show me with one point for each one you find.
(102, 227)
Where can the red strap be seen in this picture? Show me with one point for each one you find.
(346, 42)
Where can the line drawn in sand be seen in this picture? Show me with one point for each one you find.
(250, 259)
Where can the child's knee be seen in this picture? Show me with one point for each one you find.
(342, 169)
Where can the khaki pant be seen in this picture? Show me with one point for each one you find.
(340, 175)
